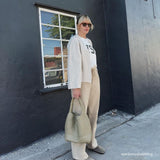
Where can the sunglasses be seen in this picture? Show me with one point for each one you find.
(85, 24)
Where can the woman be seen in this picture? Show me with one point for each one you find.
(83, 80)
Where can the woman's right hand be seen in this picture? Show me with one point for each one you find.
(76, 92)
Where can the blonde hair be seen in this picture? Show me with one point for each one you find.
(81, 18)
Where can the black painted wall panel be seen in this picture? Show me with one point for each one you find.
(144, 38)
(121, 79)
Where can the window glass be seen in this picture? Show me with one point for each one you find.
(65, 75)
(56, 29)
(52, 63)
(51, 47)
(50, 32)
(53, 77)
(64, 44)
(67, 33)
(67, 21)
(65, 62)
(49, 18)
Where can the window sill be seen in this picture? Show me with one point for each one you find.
(50, 90)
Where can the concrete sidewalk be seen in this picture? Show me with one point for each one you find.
(124, 136)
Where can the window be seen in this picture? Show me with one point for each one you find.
(56, 28)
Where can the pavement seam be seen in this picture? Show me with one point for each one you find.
(62, 154)
(96, 136)
(115, 126)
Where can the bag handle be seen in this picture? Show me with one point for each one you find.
(81, 104)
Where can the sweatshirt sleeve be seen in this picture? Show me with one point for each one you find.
(74, 64)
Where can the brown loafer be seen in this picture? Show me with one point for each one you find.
(99, 149)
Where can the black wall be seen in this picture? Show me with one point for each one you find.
(143, 19)
(25, 115)
(133, 36)
(120, 67)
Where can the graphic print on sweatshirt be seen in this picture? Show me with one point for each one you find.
(90, 48)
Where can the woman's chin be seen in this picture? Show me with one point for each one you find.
(86, 32)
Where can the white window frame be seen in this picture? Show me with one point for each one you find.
(60, 39)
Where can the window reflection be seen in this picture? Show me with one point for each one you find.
(65, 76)
(50, 32)
(64, 47)
(65, 62)
(51, 47)
(53, 77)
(53, 33)
(67, 21)
(49, 18)
(67, 33)
(52, 63)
